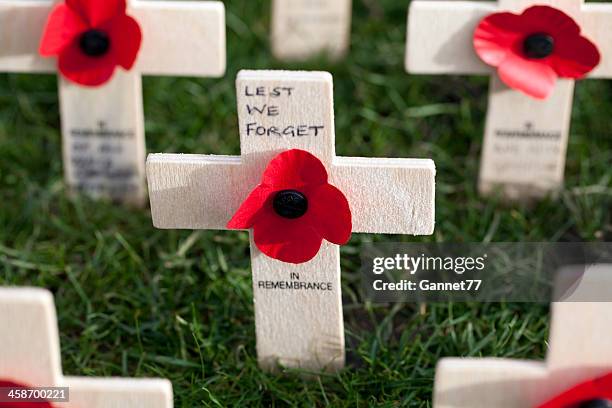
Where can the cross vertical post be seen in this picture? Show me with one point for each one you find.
(103, 127)
(301, 326)
(526, 139)
(302, 29)
(30, 356)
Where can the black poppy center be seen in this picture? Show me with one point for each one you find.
(596, 403)
(94, 43)
(538, 45)
(290, 204)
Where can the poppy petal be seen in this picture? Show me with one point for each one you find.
(62, 26)
(574, 57)
(294, 169)
(292, 241)
(495, 37)
(245, 217)
(97, 12)
(599, 388)
(85, 70)
(126, 38)
(534, 78)
(549, 20)
(330, 213)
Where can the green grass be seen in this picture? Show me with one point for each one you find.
(135, 301)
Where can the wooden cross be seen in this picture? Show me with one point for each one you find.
(30, 356)
(302, 29)
(103, 128)
(526, 139)
(295, 328)
(579, 350)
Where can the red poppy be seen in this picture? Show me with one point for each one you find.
(533, 49)
(90, 38)
(294, 209)
(4, 384)
(595, 393)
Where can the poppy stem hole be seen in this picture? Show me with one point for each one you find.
(538, 46)
(290, 204)
(94, 43)
(596, 403)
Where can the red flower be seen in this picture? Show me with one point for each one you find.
(90, 38)
(595, 393)
(294, 209)
(532, 49)
(12, 385)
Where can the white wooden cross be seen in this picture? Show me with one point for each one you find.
(579, 350)
(30, 356)
(103, 128)
(526, 139)
(302, 29)
(295, 328)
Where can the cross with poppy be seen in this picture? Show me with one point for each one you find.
(300, 200)
(101, 48)
(302, 29)
(30, 357)
(534, 51)
(577, 372)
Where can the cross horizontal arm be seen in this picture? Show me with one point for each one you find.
(118, 392)
(21, 28)
(597, 21)
(489, 382)
(570, 6)
(189, 191)
(440, 37)
(180, 38)
(29, 340)
(388, 196)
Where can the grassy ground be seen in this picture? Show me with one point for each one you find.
(135, 301)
